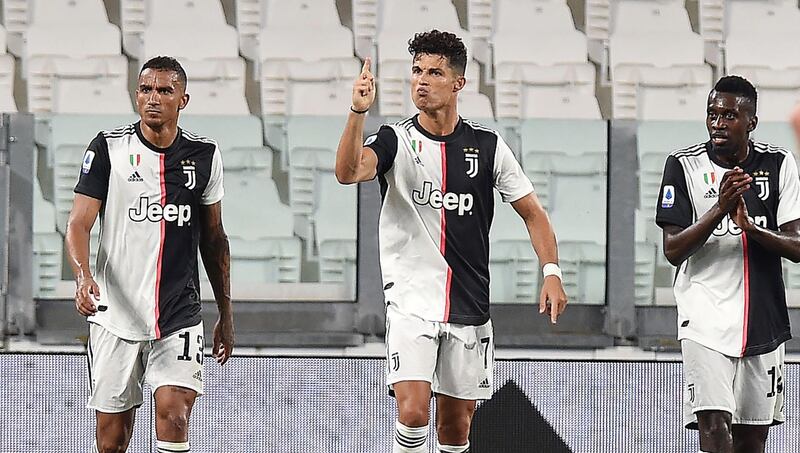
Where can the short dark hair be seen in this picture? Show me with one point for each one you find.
(734, 84)
(163, 63)
(442, 43)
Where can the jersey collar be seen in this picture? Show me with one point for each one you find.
(439, 138)
(751, 155)
(137, 127)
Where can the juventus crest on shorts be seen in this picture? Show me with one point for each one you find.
(437, 208)
(149, 227)
(730, 293)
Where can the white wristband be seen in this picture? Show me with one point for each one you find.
(551, 269)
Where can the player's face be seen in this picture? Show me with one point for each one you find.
(159, 97)
(434, 84)
(729, 119)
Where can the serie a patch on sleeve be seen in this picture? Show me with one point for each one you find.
(87, 161)
(668, 197)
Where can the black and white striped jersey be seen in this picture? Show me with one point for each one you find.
(438, 204)
(149, 227)
(730, 292)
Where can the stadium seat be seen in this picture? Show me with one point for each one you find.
(7, 102)
(263, 248)
(535, 80)
(644, 268)
(85, 47)
(583, 268)
(569, 137)
(137, 15)
(336, 228)
(211, 60)
(653, 48)
(294, 55)
(553, 174)
(513, 265)
(47, 245)
(87, 96)
(758, 47)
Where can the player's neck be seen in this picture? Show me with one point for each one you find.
(439, 122)
(161, 137)
(736, 158)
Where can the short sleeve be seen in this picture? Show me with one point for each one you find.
(95, 170)
(509, 178)
(214, 190)
(789, 196)
(384, 143)
(674, 205)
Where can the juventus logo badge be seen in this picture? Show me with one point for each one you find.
(762, 182)
(395, 361)
(691, 393)
(189, 171)
(471, 158)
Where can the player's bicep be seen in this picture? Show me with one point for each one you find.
(85, 210)
(791, 227)
(211, 220)
(529, 207)
(368, 168)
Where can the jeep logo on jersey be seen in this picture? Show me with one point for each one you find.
(471, 158)
(189, 171)
(461, 202)
(762, 182)
(154, 212)
(729, 226)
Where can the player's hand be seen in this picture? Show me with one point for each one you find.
(740, 216)
(734, 184)
(86, 294)
(223, 339)
(364, 88)
(553, 299)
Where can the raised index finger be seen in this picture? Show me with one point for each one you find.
(365, 68)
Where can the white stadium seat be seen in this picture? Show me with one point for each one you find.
(760, 46)
(534, 79)
(513, 266)
(335, 224)
(654, 48)
(85, 46)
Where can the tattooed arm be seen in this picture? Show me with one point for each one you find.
(215, 250)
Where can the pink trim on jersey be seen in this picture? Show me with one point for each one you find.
(161, 241)
(746, 292)
(443, 240)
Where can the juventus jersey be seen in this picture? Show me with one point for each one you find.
(149, 227)
(730, 292)
(437, 208)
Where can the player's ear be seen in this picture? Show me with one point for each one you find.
(752, 124)
(460, 83)
(184, 101)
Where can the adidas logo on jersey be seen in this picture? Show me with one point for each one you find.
(135, 177)
(198, 375)
(712, 193)
(484, 384)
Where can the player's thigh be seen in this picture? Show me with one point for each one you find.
(759, 389)
(115, 371)
(177, 360)
(708, 378)
(412, 346)
(466, 362)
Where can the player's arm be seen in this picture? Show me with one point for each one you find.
(216, 254)
(681, 243)
(544, 243)
(81, 219)
(354, 162)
